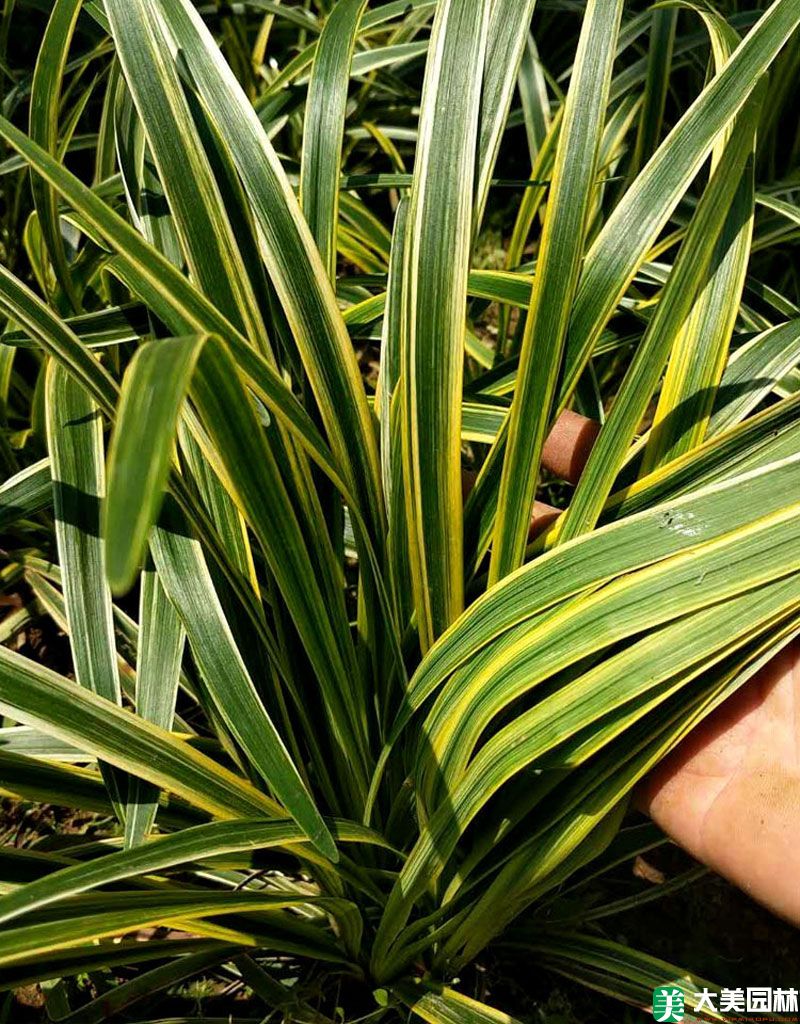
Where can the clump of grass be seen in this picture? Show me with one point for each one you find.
(355, 732)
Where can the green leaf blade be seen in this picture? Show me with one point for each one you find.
(141, 450)
(556, 279)
(435, 287)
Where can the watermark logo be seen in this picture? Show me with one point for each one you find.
(668, 1004)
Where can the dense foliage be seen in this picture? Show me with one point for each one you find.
(276, 274)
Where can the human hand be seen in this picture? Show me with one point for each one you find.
(730, 793)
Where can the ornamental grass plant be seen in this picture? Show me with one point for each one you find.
(349, 733)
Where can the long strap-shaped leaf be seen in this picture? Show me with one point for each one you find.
(541, 168)
(158, 669)
(698, 356)
(45, 99)
(25, 493)
(765, 438)
(148, 206)
(36, 696)
(557, 269)
(95, 957)
(688, 274)
(601, 555)
(21, 304)
(151, 214)
(324, 125)
(170, 294)
(65, 346)
(145, 984)
(508, 34)
(659, 65)
(199, 843)
(629, 605)
(130, 911)
(320, 618)
(434, 294)
(608, 766)
(752, 372)
(292, 261)
(111, 326)
(199, 213)
(535, 102)
(388, 399)
(673, 650)
(610, 967)
(184, 574)
(437, 1004)
(633, 227)
(296, 67)
(389, 369)
(75, 441)
(697, 360)
(141, 450)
